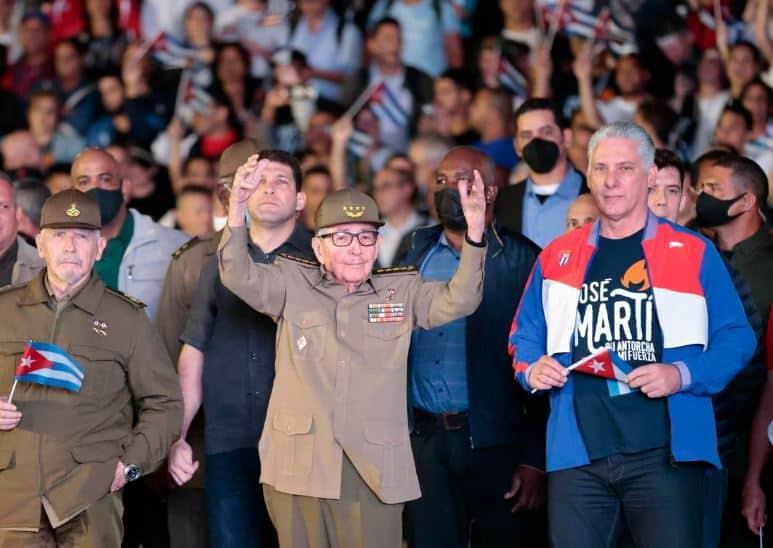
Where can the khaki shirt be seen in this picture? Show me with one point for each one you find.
(64, 452)
(341, 375)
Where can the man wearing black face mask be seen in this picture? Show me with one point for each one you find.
(478, 452)
(138, 249)
(538, 205)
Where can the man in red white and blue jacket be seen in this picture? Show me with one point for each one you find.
(660, 296)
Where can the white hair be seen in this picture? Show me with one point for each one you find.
(626, 130)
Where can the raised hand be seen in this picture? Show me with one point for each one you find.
(245, 182)
(474, 207)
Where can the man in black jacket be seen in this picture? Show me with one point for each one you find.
(409, 88)
(478, 444)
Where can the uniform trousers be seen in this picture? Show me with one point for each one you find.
(99, 526)
(358, 519)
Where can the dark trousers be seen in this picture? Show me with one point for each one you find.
(462, 502)
(658, 501)
(187, 516)
(236, 513)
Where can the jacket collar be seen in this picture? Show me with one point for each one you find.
(650, 229)
(87, 298)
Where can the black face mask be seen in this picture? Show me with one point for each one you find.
(448, 205)
(540, 155)
(712, 211)
(110, 202)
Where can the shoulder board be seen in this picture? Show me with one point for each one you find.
(300, 260)
(11, 287)
(136, 303)
(186, 246)
(395, 270)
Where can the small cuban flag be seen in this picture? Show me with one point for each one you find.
(49, 365)
(606, 364)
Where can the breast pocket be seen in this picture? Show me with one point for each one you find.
(103, 373)
(387, 341)
(10, 353)
(308, 334)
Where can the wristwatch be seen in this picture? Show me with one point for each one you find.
(131, 472)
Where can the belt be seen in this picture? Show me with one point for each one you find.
(444, 421)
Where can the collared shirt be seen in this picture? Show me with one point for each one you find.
(544, 221)
(325, 49)
(107, 267)
(7, 260)
(391, 237)
(438, 358)
(239, 352)
(753, 258)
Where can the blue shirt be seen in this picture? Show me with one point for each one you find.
(438, 358)
(501, 151)
(542, 222)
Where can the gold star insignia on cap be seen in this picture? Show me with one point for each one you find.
(355, 212)
(73, 211)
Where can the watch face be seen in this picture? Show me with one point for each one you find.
(132, 472)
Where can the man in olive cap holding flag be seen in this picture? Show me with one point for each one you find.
(335, 451)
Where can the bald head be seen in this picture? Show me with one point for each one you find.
(457, 168)
(582, 211)
(471, 159)
(95, 168)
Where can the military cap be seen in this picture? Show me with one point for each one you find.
(234, 157)
(346, 206)
(70, 209)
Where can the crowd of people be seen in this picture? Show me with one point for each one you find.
(444, 273)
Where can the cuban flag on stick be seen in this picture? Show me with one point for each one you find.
(49, 365)
(385, 106)
(170, 51)
(606, 364)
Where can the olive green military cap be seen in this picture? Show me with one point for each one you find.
(70, 209)
(234, 157)
(346, 206)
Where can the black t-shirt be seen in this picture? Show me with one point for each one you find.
(616, 310)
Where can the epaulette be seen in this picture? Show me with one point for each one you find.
(136, 303)
(395, 270)
(11, 287)
(186, 246)
(300, 260)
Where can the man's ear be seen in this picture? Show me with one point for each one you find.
(101, 244)
(300, 201)
(38, 244)
(126, 189)
(566, 134)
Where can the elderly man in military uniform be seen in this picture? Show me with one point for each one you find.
(65, 455)
(335, 452)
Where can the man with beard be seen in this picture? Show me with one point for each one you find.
(537, 206)
(479, 452)
(138, 249)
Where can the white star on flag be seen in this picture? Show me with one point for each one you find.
(26, 361)
(596, 366)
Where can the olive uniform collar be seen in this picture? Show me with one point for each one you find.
(87, 298)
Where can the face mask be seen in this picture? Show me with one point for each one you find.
(712, 211)
(110, 202)
(448, 205)
(540, 155)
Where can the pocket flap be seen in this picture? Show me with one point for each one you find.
(312, 318)
(97, 452)
(9, 348)
(388, 330)
(6, 457)
(386, 433)
(93, 353)
(292, 424)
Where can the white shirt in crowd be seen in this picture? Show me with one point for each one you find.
(392, 236)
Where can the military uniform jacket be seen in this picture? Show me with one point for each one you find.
(341, 366)
(66, 448)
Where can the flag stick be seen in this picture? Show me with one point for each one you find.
(360, 101)
(555, 24)
(13, 389)
(577, 364)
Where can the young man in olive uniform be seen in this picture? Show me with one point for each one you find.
(64, 455)
(335, 453)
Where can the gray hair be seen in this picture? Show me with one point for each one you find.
(626, 130)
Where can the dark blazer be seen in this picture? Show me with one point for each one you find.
(508, 209)
(500, 413)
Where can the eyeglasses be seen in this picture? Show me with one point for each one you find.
(366, 238)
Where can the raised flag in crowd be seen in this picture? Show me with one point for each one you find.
(171, 52)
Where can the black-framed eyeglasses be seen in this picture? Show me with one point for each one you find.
(366, 238)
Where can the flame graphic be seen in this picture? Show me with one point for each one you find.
(635, 278)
